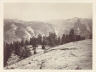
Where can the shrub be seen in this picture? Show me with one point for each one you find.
(43, 46)
(24, 52)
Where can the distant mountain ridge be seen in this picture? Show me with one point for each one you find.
(81, 26)
(18, 29)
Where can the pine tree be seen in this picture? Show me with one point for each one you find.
(52, 38)
(43, 42)
(24, 52)
(59, 40)
(63, 39)
(7, 52)
(83, 38)
(22, 42)
(90, 36)
(71, 35)
(17, 47)
(67, 38)
(12, 46)
(27, 42)
(39, 39)
(34, 41)
(78, 37)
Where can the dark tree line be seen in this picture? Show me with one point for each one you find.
(7, 52)
(71, 37)
(21, 49)
(18, 48)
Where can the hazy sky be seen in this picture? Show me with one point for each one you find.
(47, 11)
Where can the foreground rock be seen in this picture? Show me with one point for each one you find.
(70, 56)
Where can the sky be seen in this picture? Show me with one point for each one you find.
(47, 11)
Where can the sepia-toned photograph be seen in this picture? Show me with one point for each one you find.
(47, 36)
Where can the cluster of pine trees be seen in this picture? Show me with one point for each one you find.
(71, 37)
(21, 49)
(18, 48)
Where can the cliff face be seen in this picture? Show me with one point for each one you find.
(81, 26)
(17, 29)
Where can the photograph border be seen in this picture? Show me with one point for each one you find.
(50, 1)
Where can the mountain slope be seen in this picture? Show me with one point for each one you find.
(12, 31)
(81, 26)
(77, 55)
(24, 30)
